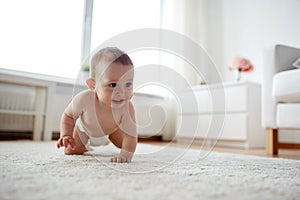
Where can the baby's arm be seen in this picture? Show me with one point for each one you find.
(66, 129)
(129, 137)
(68, 132)
(128, 148)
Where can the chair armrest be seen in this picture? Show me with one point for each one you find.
(275, 59)
(268, 103)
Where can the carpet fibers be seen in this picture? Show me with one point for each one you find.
(37, 170)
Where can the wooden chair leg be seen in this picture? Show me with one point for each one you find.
(271, 141)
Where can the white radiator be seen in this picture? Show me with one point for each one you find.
(30, 102)
(16, 97)
(21, 98)
(151, 111)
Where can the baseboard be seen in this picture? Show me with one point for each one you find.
(13, 135)
(219, 143)
(283, 145)
(150, 139)
(22, 135)
(27, 135)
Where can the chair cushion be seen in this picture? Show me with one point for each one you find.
(288, 115)
(286, 86)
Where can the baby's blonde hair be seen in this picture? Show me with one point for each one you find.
(104, 57)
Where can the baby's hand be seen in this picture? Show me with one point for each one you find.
(124, 157)
(66, 141)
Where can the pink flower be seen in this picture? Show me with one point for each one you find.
(241, 64)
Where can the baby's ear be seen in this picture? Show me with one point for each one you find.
(90, 83)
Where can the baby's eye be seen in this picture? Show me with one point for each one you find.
(128, 85)
(112, 85)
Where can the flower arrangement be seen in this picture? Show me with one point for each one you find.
(240, 64)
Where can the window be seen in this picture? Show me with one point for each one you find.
(41, 36)
(44, 36)
(114, 17)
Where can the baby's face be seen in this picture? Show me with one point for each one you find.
(115, 88)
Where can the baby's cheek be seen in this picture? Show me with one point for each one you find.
(129, 93)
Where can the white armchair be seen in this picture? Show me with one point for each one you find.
(281, 95)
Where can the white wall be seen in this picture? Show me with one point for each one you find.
(245, 27)
(229, 28)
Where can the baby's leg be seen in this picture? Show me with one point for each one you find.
(80, 141)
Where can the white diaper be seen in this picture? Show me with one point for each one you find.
(94, 141)
(98, 141)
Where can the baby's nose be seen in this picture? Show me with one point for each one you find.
(119, 90)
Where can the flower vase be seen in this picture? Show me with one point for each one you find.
(237, 75)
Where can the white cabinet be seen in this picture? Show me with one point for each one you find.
(228, 112)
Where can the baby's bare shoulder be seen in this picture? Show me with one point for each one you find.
(84, 96)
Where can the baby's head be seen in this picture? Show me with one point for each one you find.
(111, 72)
(104, 57)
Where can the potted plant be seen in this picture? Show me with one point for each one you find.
(83, 74)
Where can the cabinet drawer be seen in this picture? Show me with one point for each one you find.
(236, 99)
(201, 126)
(215, 100)
(230, 99)
(235, 127)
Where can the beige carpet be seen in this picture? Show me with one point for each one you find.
(37, 170)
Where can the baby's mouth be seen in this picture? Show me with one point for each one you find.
(118, 101)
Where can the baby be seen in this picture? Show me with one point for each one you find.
(104, 112)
